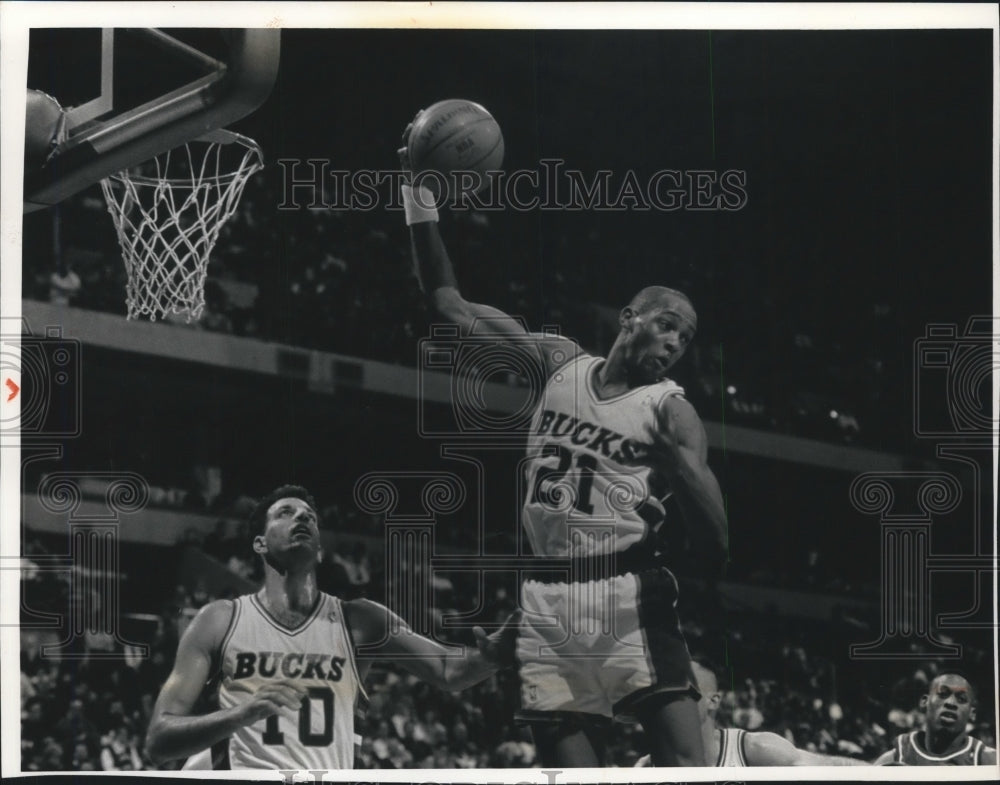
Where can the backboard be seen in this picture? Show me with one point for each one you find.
(133, 93)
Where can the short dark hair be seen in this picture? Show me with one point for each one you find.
(258, 518)
(956, 674)
(651, 295)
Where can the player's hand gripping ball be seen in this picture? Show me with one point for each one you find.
(450, 140)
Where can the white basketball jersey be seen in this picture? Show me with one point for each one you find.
(731, 752)
(319, 655)
(584, 495)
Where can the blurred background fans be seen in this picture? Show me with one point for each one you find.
(868, 216)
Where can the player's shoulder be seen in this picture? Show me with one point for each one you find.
(210, 624)
(558, 351)
(898, 748)
(362, 607)
(216, 612)
(669, 395)
(367, 620)
(905, 739)
(987, 754)
(673, 408)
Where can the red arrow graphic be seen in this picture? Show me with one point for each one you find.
(14, 389)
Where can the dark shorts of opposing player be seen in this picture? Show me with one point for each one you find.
(597, 650)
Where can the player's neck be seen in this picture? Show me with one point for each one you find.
(711, 739)
(943, 744)
(290, 593)
(611, 378)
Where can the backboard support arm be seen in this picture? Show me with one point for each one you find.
(204, 105)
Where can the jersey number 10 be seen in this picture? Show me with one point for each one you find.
(307, 736)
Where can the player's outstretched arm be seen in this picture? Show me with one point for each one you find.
(433, 267)
(770, 749)
(388, 638)
(437, 281)
(173, 732)
(680, 452)
(436, 276)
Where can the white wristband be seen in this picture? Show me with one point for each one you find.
(418, 204)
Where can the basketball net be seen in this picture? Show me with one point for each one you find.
(168, 213)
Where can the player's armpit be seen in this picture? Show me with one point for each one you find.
(989, 757)
(885, 758)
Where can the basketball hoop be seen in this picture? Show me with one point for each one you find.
(168, 213)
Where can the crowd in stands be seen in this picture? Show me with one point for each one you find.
(341, 281)
(82, 710)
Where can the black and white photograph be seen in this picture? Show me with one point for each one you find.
(499, 392)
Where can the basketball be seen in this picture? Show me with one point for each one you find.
(43, 128)
(454, 136)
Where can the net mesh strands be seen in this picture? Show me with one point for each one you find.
(168, 213)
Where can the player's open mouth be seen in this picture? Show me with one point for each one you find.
(301, 531)
(948, 716)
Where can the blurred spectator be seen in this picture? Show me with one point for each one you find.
(787, 697)
(788, 676)
(64, 286)
(345, 285)
(119, 752)
(464, 750)
(33, 719)
(83, 758)
(76, 727)
(215, 315)
(50, 756)
(429, 730)
(514, 754)
(206, 486)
